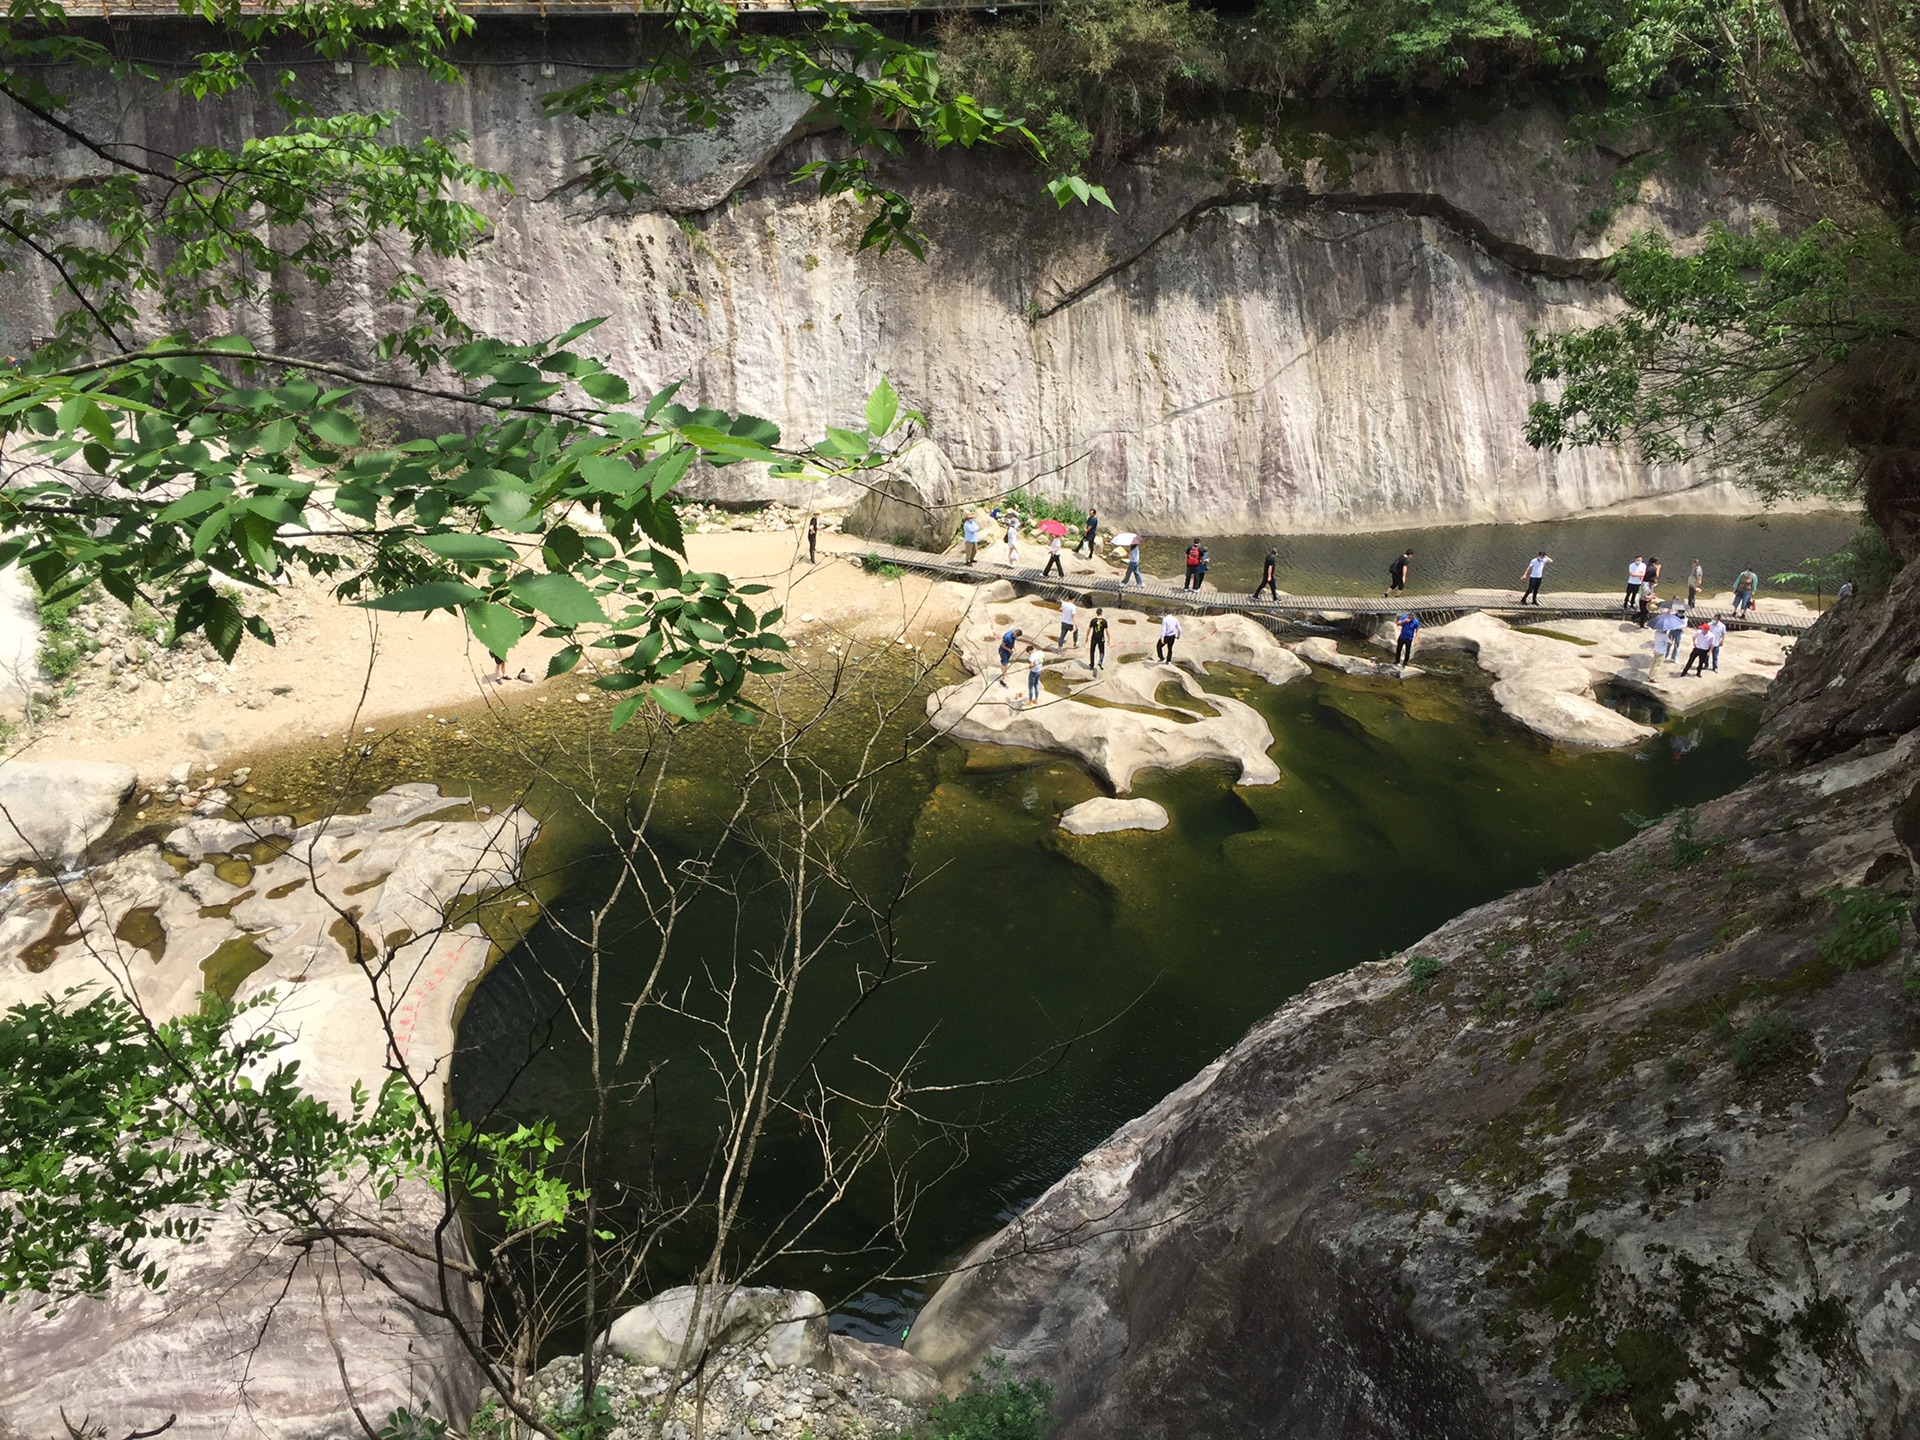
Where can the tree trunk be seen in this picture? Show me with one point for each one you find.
(1884, 164)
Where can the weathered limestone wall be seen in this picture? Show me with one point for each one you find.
(1185, 363)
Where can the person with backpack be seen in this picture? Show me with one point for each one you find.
(1397, 574)
(1200, 572)
(1090, 534)
(1744, 584)
(1409, 631)
(1267, 582)
(1193, 566)
(1097, 641)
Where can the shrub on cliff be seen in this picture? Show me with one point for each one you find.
(994, 1406)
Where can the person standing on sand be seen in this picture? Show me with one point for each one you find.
(1696, 578)
(1409, 632)
(970, 534)
(1397, 574)
(1054, 565)
(1536, 572)
(1193, 564)
(1097, 641)
(1090, 535)
(1068, 625)
(813, 539)
(1636, 577)
(1007, 642)
(1133, 566)
(1169, 633)
(1034, 661)
(1267, 582)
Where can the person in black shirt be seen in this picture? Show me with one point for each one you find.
(1266, 577)
(1097, 641)
(1092, 532)
(1397, 573)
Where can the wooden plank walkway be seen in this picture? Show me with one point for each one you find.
(1164, 594)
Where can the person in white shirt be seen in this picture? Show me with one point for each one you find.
(1068, 622)
(1536, 572)
(1034, 662)
(970, 534)
(1719, 632)
(1054, 564)
(1636, 574)
(1702, 650)
(1169, 632)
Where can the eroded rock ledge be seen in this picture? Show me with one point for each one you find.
(1628, 1152)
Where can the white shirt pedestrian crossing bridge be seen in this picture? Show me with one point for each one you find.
(1431, 608)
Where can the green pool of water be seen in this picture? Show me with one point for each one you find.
(1587, 554)
(1402, 803)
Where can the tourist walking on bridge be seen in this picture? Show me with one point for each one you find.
(1054, 565)
(1200, 573)
(1133, 565)
(1089, 535)
(970, 536)
(1169, 633)
(1193, 567)
(1536, 572)
(1266, 577)
(1097, 641)
(1636, 577)
(1397, 574)
(1403, 647)
(1744, 585)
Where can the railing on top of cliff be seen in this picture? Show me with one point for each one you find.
(170, 9)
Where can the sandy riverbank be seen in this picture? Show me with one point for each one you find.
(338, 667)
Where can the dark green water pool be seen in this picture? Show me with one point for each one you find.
(1401, 804)
(1587, 554)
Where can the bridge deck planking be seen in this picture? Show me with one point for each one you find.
(1212, 601)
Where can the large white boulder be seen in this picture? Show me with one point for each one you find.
(790, 1325)
(1102, 816)
(52, 810)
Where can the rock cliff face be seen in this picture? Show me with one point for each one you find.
(1632, 1152)
(1278, 332)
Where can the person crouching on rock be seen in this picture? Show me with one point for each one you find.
(1007, 642)
(1169, 633)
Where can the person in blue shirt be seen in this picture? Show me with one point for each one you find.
(1007, 642)
(1409, 628)
(1200, 571)
(970, 533)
